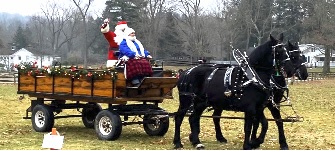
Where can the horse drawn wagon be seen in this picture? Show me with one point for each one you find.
(63, 88)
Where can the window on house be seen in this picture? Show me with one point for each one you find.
(11, 57)
(48, 58)
(309, 59)
(27, 58)
(19, 57)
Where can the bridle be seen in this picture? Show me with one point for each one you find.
(278, 64)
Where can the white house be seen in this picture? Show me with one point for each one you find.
(315, 55)
(23, 55)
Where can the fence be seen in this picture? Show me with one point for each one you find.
(8, 77)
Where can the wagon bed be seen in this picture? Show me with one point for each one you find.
(85, 92)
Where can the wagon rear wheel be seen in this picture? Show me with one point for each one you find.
(156, 125)
(42, 118)
(108, 125)
(89, 113)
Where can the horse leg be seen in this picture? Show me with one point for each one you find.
(248, 121)
(276, 115)
(218, 133)
(194, 121)
(255, 143)
(184, 104)
(254, 130)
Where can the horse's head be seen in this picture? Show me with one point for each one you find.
(282, 62)
(298, 61)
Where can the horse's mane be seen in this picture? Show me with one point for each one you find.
(257, 56)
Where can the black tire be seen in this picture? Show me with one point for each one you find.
(89, 113)
(42, 118)
(156, 125)
(108, 125)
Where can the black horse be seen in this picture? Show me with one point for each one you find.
(300, 70)
(280, 87)
(237, 89)
(298, 61)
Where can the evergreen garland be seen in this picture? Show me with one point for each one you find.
(31, 69)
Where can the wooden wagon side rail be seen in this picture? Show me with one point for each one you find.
(106, 88)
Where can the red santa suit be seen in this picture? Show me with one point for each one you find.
(113, 39)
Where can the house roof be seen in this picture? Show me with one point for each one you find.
(22, 50)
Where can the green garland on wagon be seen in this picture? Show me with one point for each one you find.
(31, 69)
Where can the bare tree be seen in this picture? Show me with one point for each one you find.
(155, 10)
(320, 27)
(83, 10)
(193, 27)
(258, 15)
(57, 17)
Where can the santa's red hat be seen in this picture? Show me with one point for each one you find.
(121, 25)
(121, 22)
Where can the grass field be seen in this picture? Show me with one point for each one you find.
(314, 100)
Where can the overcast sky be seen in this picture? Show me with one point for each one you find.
(31, 7)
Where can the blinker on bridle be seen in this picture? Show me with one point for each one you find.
(274, 57)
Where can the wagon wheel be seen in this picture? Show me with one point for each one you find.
(42, 118)
(156, 125)
(108, 125)
(89, 113)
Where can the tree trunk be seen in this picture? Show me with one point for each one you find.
(326, 62)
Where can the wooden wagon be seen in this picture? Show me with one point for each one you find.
(86, 89)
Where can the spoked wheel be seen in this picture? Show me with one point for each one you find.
(89, 113)
(156, 125)
(42, 118)
(108, 125)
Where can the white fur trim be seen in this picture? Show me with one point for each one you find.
(121, 27)
(105, 30)
(132, 47)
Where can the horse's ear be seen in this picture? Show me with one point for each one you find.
(281, 37)
(289, 44)
(271, 38)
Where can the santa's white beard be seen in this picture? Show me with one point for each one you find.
(132, 38)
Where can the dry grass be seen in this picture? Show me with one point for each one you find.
(313, 100)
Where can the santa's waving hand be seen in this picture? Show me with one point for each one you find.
(112, 37)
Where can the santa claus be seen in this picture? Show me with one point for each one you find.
(114, 39)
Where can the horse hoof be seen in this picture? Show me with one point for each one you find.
(254, 144)
(178, 146)
(200, 146)
(284, 148)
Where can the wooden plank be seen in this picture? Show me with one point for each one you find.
(27, 83)
(159, 82)
(44, 84)
(62, 84)
(82, 86)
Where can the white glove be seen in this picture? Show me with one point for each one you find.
(105, 26)
(137, 56)
(149, 56)
(124, 58)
